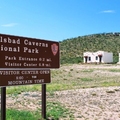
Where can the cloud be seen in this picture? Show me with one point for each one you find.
(108, 11)
(9, 25)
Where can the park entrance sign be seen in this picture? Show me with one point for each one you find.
(20, 52)
(26, 61)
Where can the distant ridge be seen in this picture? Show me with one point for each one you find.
(72, 49)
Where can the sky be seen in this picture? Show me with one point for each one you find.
(58, 20)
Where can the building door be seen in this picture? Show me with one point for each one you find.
(100, 58)
(86, 59)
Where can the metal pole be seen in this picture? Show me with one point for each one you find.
(44, 101)
(3, 103)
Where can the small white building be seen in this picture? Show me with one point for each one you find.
(98, 57)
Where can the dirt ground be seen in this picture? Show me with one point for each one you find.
(92, 103)
(85, 104)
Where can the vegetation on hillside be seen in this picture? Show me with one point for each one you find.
(72, 49)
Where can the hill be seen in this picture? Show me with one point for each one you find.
(71, 50)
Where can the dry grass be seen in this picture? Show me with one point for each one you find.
(76, 76)
(84, 76)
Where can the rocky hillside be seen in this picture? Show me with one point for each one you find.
(72, 49)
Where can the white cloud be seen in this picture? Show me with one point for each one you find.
(108, 11)
(9, 25)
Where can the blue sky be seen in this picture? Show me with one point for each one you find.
(57, 20)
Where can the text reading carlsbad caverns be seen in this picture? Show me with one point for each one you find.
(17, 42)
(25, 47)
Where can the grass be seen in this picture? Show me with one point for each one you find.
(55, 111)
(112, 83)
(69, 77)
(86, 79)
(87, 70)
(23, 88)
(13, 114)
(114, 70)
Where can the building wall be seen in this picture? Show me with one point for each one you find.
(98, 53)
(89, 56)
(94, 57)
(108, 57)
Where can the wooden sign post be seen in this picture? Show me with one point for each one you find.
(3, 103)
(25, 61)
(44, 101)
